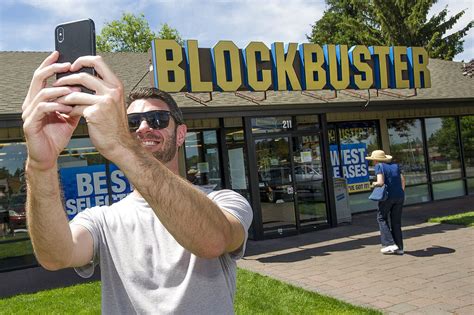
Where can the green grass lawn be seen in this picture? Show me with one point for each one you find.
(466, 219)
(256, 294)
(19, 248)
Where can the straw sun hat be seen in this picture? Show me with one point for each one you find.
(379, 155)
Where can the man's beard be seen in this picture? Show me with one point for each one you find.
(168, 151)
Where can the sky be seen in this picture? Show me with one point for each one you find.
(28, 25)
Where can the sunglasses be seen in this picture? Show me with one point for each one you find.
(156, 119)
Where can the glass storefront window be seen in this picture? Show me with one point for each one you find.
(416, 194)
(202, 159)
(275, 184)
(309, 180)
(237, 169)
(271, 124)
(87, 179)
(448, 189)
(467, 137)
(406, 146)
(237, 166)
(356, 140)
(79, 152)
(15, 246)
(470, 186)
(444, 156)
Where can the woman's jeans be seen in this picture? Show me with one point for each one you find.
(390, 232)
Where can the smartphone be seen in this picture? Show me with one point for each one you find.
(73, 40)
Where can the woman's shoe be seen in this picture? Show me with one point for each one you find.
(387, 250)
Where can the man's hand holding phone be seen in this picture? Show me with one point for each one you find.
(104, 111)
(48, 125)
(74, 40)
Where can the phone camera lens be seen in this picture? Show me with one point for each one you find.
(60, 34)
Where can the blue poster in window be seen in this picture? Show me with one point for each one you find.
(354, 165)
(86, 187)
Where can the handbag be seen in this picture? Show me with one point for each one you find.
(379, 193)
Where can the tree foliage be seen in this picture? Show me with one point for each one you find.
(467, 135)
(168, 32)
(132, 34)
(390, 22)
(446, 139)
(348, 22)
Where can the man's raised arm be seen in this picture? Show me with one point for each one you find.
(48, 128)
(194, 220)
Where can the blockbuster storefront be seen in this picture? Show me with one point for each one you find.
(297, 155)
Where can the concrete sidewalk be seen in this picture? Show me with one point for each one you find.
(435, 276)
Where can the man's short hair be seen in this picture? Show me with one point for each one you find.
(151, 92)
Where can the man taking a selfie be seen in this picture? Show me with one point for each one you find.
(166, 248)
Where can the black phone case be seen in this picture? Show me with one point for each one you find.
(77, 39)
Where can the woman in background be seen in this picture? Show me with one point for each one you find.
(389, 173)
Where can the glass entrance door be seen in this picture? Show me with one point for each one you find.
(309, 181)
(275, 184)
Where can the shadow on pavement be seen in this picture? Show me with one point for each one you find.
(363, 224)
(431, 251)
(358, 243)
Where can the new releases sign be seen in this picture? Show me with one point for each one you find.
(307, 66)
(353, 165)
(86, 187)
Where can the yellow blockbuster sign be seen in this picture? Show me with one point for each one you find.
(295, 67)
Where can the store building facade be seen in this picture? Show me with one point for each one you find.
(285, 151)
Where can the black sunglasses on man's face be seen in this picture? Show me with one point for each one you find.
(156, 119)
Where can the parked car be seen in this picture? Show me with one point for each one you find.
(309, 183)
(275, 184)
(17, 220)
(16, 210)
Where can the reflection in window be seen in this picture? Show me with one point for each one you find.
(80, 152)
(311, 198)
(443, 148)
(12, 190)
(271, 124)
(467, 136)
(443, 152)
(236, 152)
(356, 141)
(14, 241)
(406, 146)
(202, 159)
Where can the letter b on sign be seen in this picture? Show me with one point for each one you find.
(84, 184)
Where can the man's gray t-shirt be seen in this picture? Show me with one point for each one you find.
(145, 270)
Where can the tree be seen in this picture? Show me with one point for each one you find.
(405, 23)
(350, 22)
(445, 139)
(133, 34)
(390, 22)
(168, 32)
(130, 33)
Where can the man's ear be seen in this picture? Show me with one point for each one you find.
(181, 134)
